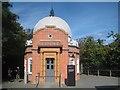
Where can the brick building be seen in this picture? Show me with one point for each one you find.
(50, 51)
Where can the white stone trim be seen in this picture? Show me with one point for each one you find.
(29, 62)
(50, 40)
(65, 49)
(28, 43)
(25, 71)
(78, 68)
(50, 35)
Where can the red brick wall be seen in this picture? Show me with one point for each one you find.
(73, 49)
(64, 56)
(30, 77)
(27, 56)
(64, 61)
(56, 35)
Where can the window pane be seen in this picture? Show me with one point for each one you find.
(52, 61)
(47, 61)
(71, 61)
(30, 61)
(52, 67)
(47, 66)
(30, 67)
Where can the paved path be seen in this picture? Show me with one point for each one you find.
(84, 82)
(92, 81)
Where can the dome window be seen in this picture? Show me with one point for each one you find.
(50, 36)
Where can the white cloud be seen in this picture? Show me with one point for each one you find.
(102, 33)
(99, 34)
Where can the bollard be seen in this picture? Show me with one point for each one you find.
(81, 68)
(88, 71)
(110, 73)
(98, 72)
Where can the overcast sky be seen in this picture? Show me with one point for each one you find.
(84, 18)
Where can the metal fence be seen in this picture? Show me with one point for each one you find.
(111, 73)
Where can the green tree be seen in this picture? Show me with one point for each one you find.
(87, 53)
(113, 58)
(13, 38)
(95, 55)
(29, 33)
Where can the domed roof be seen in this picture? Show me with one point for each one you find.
(53, 21)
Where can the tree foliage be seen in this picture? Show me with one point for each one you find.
(29, 33)
(13, 38)
(13, 35)
(114, 51)
(95, 55)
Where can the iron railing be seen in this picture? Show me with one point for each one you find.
(100, 72)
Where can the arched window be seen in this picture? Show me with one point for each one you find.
(30, 65)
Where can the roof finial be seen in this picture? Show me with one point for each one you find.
(52, 11)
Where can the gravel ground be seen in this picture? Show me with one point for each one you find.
(84, 82)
